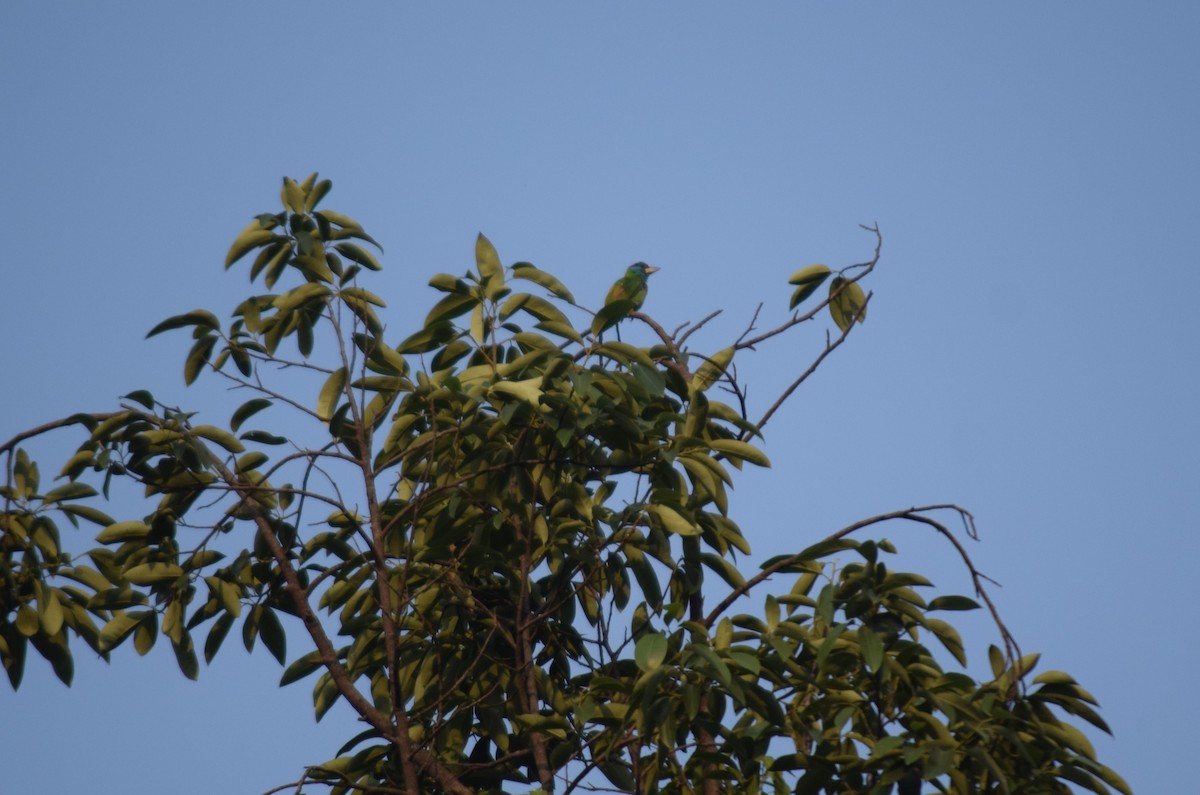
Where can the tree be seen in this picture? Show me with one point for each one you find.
(509, 546)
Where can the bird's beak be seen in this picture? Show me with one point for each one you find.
(651, 269)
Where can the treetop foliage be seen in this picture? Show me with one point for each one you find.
(508, 546)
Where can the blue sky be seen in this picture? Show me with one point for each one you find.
(1030, 354)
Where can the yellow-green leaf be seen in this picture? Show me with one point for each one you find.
(292, 195)
(316, 194)
(220, 436)
(808, 280)
(331, 393)
(123, 531)
(309, 291)
(528, 390)
(712, 369)
(254, 235)
(672, 520)
(359, 255)
(27, 622)
(197, 358)
(450, 307)
(650, 651)
(197, 317)
(742, 450)
(363, 295)
(150, 573)
(478, 330)
(847, 303)
(488, 261)
(525, 270)
(812, 273)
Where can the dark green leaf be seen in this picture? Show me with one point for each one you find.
(247, 410)
(953, 603)
(199, 317)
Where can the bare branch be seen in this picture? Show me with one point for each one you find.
(830, 347)
(679, 340)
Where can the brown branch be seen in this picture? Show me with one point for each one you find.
(830, 347)
(679, 340)
(74, 419)
(866, 267)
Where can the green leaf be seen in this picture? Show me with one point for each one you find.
(447, 283)
(808, 280)
(712, 369)
(123, 531)
(949, 637)
(847, 302)
(724, 568)
(872, 648)
(996, 660)
(742, 450)
(541, 309)
(564, 330)
(262, 437)
(363, 295)
(331, 394)
(120, 626)
(672, 520)
(715, 667)
(198, 317)
(360, 255)
(142, 396)
(292, 195)
(427, 339)
(251, 461)
(197, 358)
(69, 491)
(450, 307)
(478, 330)
(650, 651)
(953, 603)
(219, 436)
(256, 233)
(185, 656)
(93, 515)
(308, 664)
(27, 622)
(528, 390)
(151, 573)
(299, 296)
(316, 194)
(491, 271)
(344, 221)
(216, 636)
(247, 410)
(273, 636)
(526, 270)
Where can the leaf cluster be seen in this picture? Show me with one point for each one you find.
(501, 536)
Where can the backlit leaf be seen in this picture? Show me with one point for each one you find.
(650, 651)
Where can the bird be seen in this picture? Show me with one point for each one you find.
(625, 296)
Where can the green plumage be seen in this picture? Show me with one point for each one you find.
(626, 295)
(632, 286)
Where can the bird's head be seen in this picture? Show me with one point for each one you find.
(641, 270)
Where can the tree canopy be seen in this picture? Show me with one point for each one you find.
(508, 545)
